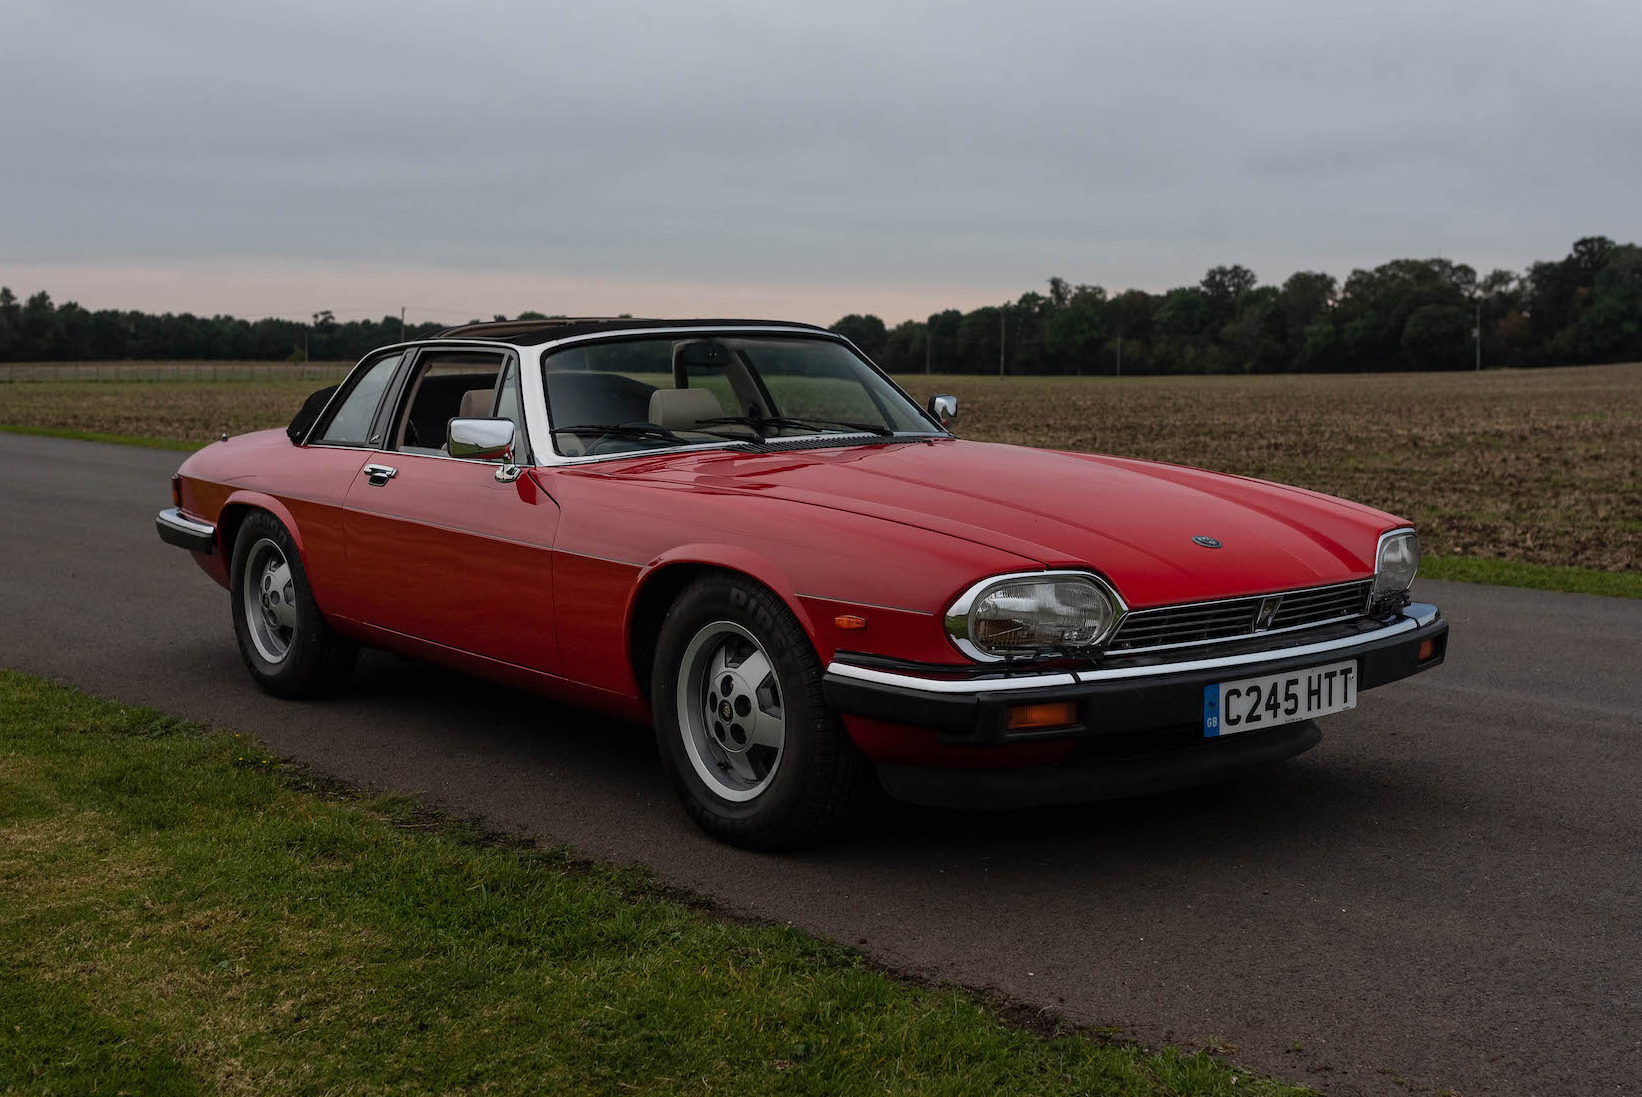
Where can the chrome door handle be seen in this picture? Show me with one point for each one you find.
(380, 474)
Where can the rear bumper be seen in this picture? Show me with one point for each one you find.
(1139, 723)
(176, 528)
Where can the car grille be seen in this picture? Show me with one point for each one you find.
(1233, 618)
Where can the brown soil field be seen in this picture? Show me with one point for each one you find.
(1540, 466)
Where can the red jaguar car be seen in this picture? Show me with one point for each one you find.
(747, 535)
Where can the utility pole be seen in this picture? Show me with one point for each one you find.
(401, 323)
(1003, 322)
(1120, 352)
(929, 340)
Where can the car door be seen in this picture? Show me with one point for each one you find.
(441, 550)
(314, 482)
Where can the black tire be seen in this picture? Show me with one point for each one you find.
(316, 661)
(822, 780)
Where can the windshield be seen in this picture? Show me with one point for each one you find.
(654, 393)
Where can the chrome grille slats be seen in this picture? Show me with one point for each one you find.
(1234, 618)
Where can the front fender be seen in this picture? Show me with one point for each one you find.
(728, 558)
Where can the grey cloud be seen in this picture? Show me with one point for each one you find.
(926, 142)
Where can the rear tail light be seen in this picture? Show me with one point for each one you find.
(176, 492)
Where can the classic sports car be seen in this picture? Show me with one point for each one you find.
(746, 534)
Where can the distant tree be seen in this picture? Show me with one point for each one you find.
(1183, 312)
(1223, 289)
(1307, 300)
(1077, 330)
(1611, 326)
(10, 324)
(1437, 337)
(867, 332)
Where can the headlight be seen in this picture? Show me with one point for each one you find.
(1027, 614)
(1399, 560)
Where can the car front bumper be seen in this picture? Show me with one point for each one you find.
(1139, 725)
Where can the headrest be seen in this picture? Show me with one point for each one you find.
(476, 404)
(681, 409)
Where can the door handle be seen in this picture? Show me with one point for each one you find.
(380, 474)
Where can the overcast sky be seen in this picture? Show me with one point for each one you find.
(792, 159)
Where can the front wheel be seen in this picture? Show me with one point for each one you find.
(746, 736)
(287, 645)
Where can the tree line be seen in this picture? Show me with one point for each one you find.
(1408, 314)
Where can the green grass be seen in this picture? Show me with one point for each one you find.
(97, 436)
(185, 915)
(1511, 573)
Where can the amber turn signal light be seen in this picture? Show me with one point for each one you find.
(1428, 649)
(845, 620)
(176, 492)
(1054, 714)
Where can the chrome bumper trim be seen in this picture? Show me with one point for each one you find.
(1414, 616)
(176, 528)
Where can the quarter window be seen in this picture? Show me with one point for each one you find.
(350, 425)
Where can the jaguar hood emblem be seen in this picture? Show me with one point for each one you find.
(1206, 542)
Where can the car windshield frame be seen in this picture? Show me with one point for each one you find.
(929, 427)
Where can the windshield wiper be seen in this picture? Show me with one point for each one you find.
(638, 431)
(756, 421)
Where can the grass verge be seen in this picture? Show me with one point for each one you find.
(186, 915)
(1512, 573)
(97, 436)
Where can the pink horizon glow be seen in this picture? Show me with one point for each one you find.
(360, 291)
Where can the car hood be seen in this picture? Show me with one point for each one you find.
(1132, 521)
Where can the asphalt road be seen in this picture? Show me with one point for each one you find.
(1443, 895)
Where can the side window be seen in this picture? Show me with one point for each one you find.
(449, 384)
(510, 406)
(350, 424)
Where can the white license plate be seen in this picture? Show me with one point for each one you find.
(1250, 704)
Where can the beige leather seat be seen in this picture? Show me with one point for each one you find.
(683, 409)
(476, 404)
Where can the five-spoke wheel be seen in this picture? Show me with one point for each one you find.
(757, 756)
(270, 600)
(288, 646)
(732, 720)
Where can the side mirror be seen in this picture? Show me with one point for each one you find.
(943, 409)
(483, 440)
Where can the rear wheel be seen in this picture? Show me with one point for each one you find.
(746, 736)
(286, 643)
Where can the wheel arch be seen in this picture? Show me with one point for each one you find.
(239, 506)
(660, 583)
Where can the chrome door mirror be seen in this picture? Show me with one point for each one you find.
(943, 409)
(483, 440)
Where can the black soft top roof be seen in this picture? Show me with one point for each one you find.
(543, 331)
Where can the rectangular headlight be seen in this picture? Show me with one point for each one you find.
(1397, 564)
(1030, 614)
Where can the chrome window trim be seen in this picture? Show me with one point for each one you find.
(536, 411)
(1414, 616)
(404, 348)
(966, 601)
(344, 388)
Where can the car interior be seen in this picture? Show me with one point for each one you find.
(709, 379)
(452, 385)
